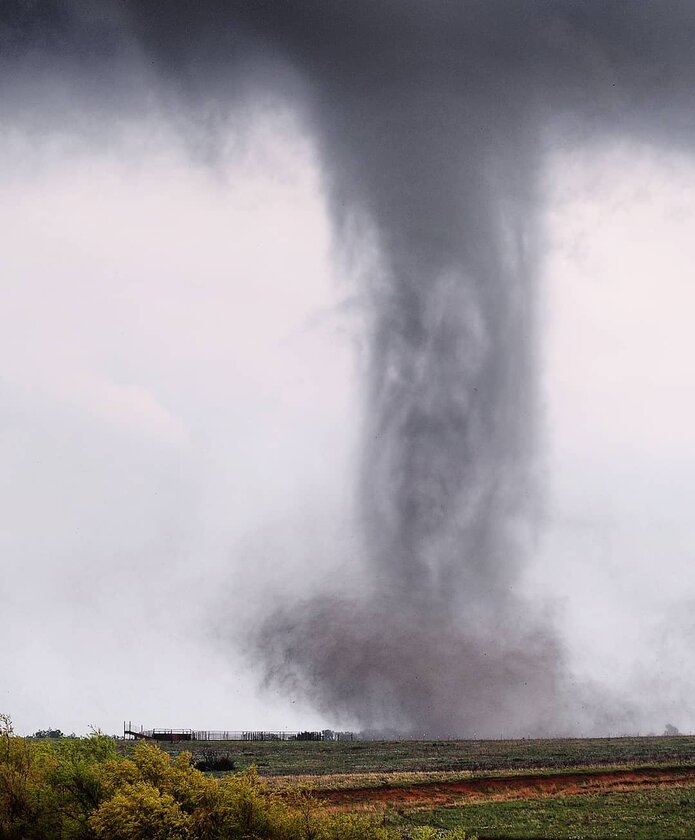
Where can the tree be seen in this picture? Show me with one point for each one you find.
(48, 733)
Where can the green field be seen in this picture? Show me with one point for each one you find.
(274, 758)
(636, 815)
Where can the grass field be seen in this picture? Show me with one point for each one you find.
(661, 814)
(290, 758)
(629, 788)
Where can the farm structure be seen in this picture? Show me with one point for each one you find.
(175, 735)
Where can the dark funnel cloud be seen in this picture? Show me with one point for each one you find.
(432, 120)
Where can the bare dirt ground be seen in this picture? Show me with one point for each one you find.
(527, 786)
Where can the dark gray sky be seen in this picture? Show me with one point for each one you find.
(367, 323)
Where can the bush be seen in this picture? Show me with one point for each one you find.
(28, 804)
(140, 812)
(216, 762)
(83, 789)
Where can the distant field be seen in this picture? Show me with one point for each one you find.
(290, 758)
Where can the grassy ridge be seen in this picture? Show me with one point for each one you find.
(350, 781)
(289, 758)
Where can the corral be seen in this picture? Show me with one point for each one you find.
(176, 735)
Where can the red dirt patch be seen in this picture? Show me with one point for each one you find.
(527, 786)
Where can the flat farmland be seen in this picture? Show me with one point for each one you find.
(630, 788)
(318, 758)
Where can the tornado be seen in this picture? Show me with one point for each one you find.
(432, 121)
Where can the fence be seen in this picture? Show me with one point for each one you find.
(232, 735)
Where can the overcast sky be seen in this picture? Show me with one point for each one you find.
(182, 364)
(619, 389)
(178, 361)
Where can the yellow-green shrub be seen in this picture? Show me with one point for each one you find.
(83, 789)
(140, 812)
(27, 800)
